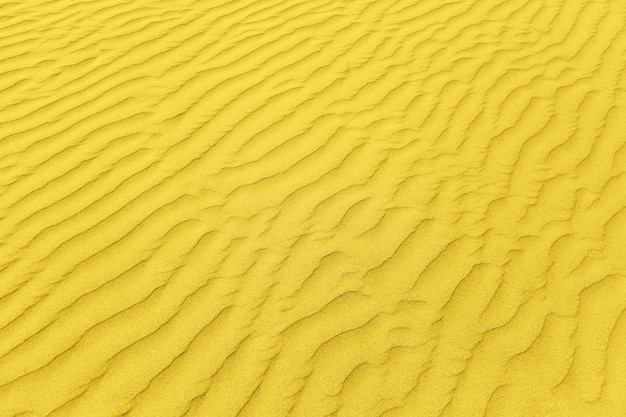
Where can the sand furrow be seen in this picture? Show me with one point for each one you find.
(312, 208)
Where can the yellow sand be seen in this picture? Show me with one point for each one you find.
(311, 208)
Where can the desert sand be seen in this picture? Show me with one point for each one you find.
(313, 208)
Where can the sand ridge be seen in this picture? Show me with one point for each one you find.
(312, 208)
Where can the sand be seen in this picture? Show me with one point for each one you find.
(312, 208)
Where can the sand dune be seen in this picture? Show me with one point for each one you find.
(311, 208)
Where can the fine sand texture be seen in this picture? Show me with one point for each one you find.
(313, 208)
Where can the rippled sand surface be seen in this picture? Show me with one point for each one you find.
(313, 208)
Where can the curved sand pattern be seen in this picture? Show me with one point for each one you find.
(313, 208)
